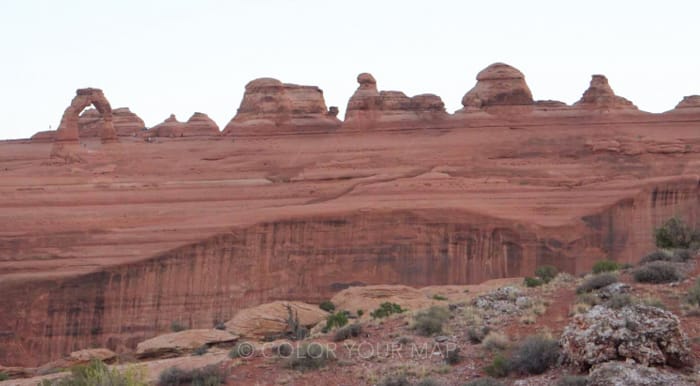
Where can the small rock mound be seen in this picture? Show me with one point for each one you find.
(200, 124)
(645, 334)
(498, 85)
(632, 374)
(369, 298)
(170, 127)
(177, 343)
(600, 95)
(270, 319)
(505, 300)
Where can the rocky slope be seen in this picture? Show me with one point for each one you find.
(110, 247)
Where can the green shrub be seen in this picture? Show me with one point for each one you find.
(201, 350)
(495, 341)
(535, 355)
(532, 281)
(657, 272)
(430, 321)
(310, 356)
(386, 309)
(499, 367)
(360, 313)
(605, 266)
(618, 301)
(327, 306)
(596, 282)
(241, 350)
(476, 334)
(338, 319)
(588, 298)
(676, 234)
(439, 297)
(210, 375)
(484, 382)
(693, 296)
(395, 380)
(453, 355)
(351, 331)
(97, 373)
(660, 255)
(429, 382)
(573, 380)
(176, 326)
(546, 273)
(3, 376)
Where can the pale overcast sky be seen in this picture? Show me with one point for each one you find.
(166, 56)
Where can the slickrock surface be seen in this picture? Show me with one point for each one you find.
(108, 251)
(270, 319)
(272, 107)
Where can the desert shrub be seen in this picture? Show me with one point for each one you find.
(338, 319)
(3, 376)
(210, 375)
(499, 367)
(683, 254)
(693, 296)
(295, 330)
(532, 281)
(657, 272)
(201, 350)
(327, 306)
(404, 340)
(241, 349)
(176, 326)
(484, 382)
(495, 341)
(453, 355)
(676, 234)
(97, 373)
(535, 355)
(429, 382)
(596, 282)
(310, 356)
(351, 331)
(605, 266)
(220, 326)
(652, 301)
(591, 299)
(573, 380)
(360, 313)
(430, 321)
(546, 273)
(618, 301)
(386, 309)
(476, 334)
(395, 380)
(439, 297)
(283, 350)
(660, 255)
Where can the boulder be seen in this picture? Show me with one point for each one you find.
(177, 343)
(648, 335)
(633, 374)
(600, 95)
(84, 356)
(498, 85)
(270, 319)
(272, 107)
(369, 298)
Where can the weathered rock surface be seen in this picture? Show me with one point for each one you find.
(177, 343)
(170, 127)
(600, 96)
(86, 355)
(647, 335)
(498, 85)
(632, 374)
(200, 124)
(369, 298)
(272, 107)
(369, 108)
(125, 123)
(688, 104)
(270, 319)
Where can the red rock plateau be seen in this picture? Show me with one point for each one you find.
(107, 247)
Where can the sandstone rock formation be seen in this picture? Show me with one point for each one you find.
(270, 319)
(369, 298)
(689, 104)
(177, 343)
(369, 108)
(648, 335)
(200, 124)
(272, 107)
(86, 355)
(125, 123)
(170, 127)
(633, 374)
(600, 96)
(498, 85)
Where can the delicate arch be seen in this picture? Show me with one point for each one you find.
(68, 129)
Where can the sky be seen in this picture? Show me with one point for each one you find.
(167, 56)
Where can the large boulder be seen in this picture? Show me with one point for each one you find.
(369, 298)
(177, 343)
(648, 335)
(498, 85)
(633, 374)
(600, 95)
(271, 319)
(84, 356)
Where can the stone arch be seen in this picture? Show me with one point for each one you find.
(68, 129)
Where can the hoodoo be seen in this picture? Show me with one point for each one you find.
(498, 85)
(272, 107)
(600, 95)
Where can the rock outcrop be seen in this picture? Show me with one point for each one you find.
(271, 319)
(178, 343)
(600, 96)
(369, 298)
(125, 123)
(689, 104)
(86, 355)
(498, 85)
(369, 108)
(645, 334)
(200, 124)
(272, 107)
(170, 127)
(633, 374)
